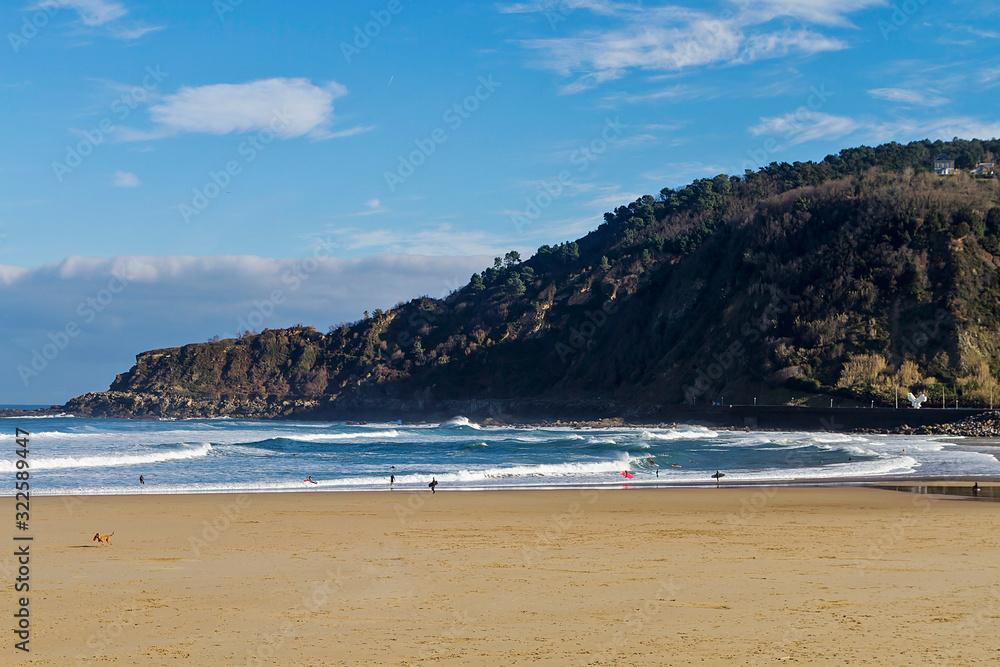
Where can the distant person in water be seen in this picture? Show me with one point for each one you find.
(392, 479)
(310, 479)
(141, 480)
(433, 483)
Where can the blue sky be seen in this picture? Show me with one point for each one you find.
(204, 150)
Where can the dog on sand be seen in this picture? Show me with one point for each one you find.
(102, 539)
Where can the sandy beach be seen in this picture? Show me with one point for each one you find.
(614, 577)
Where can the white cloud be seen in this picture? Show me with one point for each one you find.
(803, 125)
(925, 98)
(673, 39)
(442, 240)
(288, 107)
(780, 44)
(93, 13)
(169, 301)
(682, 173)
(135, 32)
(820, 12)
(563, 7)
(99, 14)
(611, 197)
(989, 75)
(125, 179)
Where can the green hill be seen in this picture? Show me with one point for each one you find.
(853, 276)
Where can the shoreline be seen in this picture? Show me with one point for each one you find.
(883, 481)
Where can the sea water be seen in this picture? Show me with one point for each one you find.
(76, 456)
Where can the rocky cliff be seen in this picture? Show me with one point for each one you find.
(853, 277)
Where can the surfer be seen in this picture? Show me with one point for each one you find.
(310, 479)
(975, 488)
(141, 480)
(433, 483)
(392, 479)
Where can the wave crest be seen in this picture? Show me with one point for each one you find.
(112, 460)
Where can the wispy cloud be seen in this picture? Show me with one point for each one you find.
(100, 14)
(797, 128)
(819, 12)
(675, 39)
(926, 98)
(682, 173)
(800, 127)
(676, 92)
(287, 107)
(93, 13)
(125, 179)
(443, 239)
(135, 32)
(601, 7)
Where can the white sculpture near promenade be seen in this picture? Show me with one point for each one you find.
(916, 401)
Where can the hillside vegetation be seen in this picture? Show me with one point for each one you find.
(855, 276)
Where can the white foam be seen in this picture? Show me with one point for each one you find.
(334, 437)
(248, 450)
(112, 459)
(61, 415)
(685, 433)
(460, 421)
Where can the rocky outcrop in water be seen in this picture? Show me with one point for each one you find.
(985, 425)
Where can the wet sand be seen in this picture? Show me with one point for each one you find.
(749, 576)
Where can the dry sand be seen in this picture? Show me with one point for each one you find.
(617, 577)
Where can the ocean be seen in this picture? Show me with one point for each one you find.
(76, 456)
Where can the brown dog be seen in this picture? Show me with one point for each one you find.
(102, 539)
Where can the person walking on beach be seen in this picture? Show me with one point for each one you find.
(433, 483)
